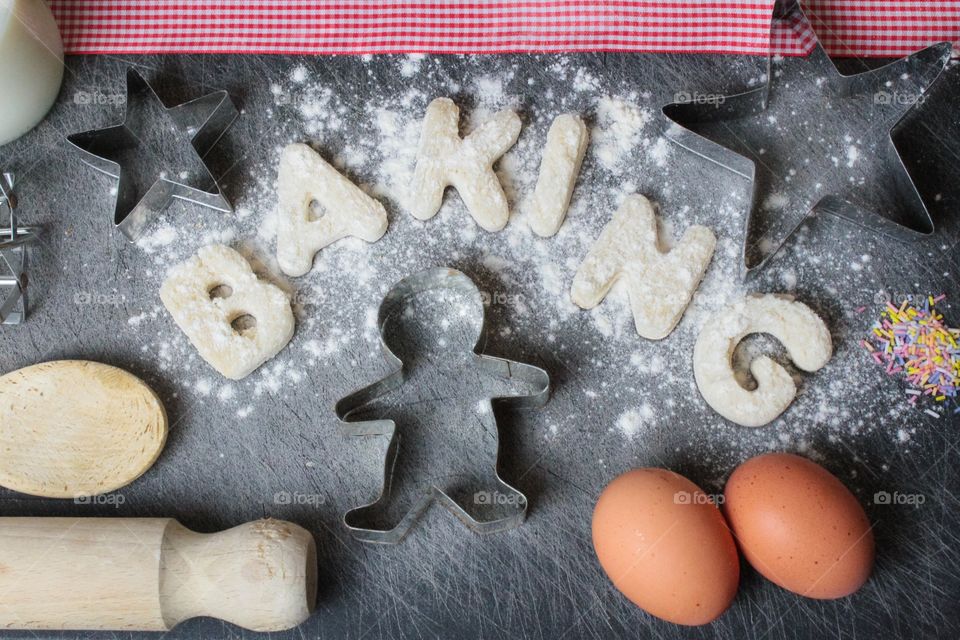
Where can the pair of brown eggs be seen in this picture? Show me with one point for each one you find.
(665, 544)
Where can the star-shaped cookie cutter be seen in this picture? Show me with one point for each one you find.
(535, 377)
(153, 131)
(13, 254)
(756, 101)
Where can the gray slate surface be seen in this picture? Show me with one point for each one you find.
(542, 580)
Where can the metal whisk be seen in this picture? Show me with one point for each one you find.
(13, 256)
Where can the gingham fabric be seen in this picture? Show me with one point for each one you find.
(846, 27)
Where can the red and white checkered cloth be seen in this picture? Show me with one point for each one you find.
(846, 27)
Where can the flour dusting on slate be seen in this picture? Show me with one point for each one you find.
(526, 279)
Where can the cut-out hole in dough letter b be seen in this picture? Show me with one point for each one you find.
(445, 159)
(304, 178)
(659, 285)
(801, 331)
(262, 309)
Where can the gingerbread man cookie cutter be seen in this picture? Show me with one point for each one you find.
(537, 379)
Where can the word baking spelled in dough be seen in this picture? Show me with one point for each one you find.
(559, 168)
(212, 294)
(659, 285)
(794, 324)
(444, 159)
(304, 179)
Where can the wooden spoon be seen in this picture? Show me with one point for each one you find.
(73, 428)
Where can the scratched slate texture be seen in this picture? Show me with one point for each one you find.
(541, 580)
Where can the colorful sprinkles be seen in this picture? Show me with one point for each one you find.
(912, 341)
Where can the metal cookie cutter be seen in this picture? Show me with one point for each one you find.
(537, 378)
(926, 64)
(13, 253)
(175, 138)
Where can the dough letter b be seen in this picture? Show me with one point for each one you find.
(208, 296)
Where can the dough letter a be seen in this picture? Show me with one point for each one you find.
(660, 285)
(445, 159)
(794, 324)
(304, 177)
(210, 292)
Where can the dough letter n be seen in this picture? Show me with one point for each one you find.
(660, 285)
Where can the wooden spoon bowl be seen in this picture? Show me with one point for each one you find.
(72, 428)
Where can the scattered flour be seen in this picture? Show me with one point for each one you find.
(618, 131)
(299, 74)
(853, 154)
(410, 64)
(659, 152)
(632, 421)
(527, 279)
(203, 386)
(163, 237)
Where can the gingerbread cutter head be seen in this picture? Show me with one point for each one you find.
(158, 153)
(925, 65)
(536, 378)
(14, 241)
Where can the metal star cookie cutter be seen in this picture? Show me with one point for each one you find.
(537, 378)
(14, 241)
(755, 101)
(151, 131)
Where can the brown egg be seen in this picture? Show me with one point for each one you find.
(799, 526)
(665, 546)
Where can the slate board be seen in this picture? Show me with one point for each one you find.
(541, 580)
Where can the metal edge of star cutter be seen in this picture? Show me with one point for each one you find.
(539, 379)
(755, 101)
(204, 119)
(14, 242)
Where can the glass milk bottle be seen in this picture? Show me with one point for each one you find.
(31, 65)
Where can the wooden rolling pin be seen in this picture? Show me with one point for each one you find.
(150, 574)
